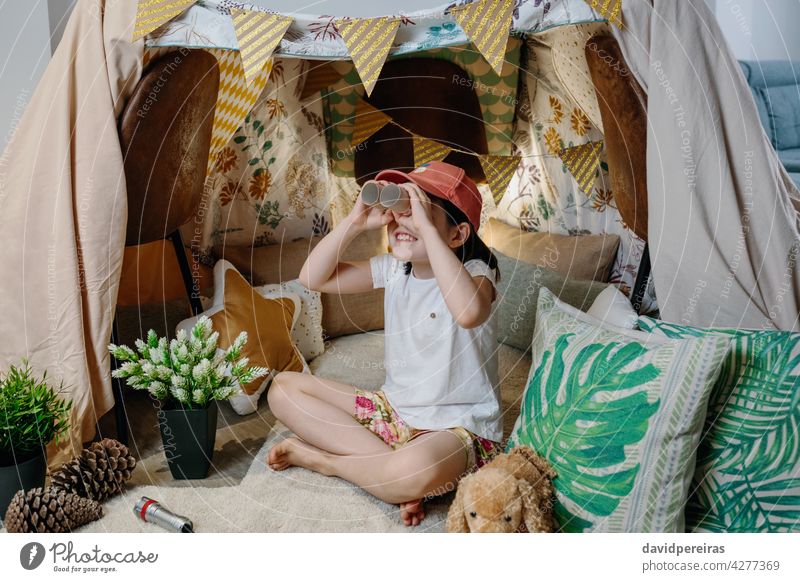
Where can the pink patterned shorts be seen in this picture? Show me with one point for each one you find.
(372, 409)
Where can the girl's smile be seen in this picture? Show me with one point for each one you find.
(402, 236)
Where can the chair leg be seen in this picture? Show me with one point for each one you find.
(642, 278)
(192, 286)
(120, 414)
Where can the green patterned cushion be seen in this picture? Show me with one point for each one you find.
(618, 414)
(748, 463)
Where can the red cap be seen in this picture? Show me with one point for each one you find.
(444, 181)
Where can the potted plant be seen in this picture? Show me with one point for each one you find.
(187, 376)
(31, 415)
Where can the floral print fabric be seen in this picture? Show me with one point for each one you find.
(270, 182)
(372, 409)
(543, 195)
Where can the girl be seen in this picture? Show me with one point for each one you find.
(438, 413)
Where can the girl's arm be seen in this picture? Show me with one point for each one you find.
(324, 270)
(468, 298)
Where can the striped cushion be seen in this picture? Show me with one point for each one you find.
(618, 414)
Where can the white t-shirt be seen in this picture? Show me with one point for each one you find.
(438, 374)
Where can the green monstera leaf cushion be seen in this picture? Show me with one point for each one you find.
(748, 464)
(618, 414)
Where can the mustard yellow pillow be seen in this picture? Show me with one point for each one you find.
(268, 322)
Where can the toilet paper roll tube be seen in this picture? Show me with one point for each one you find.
(395, 198)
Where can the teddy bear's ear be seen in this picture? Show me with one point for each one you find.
(456, 520)
(537, 461)
(537, 514)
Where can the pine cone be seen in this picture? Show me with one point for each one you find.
(99, 472)
(49, 511)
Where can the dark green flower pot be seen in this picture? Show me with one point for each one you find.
(188, 436)
(28, 473)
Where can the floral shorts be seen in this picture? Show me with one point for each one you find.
(374, 412)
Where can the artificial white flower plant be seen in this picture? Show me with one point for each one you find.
(188, 369)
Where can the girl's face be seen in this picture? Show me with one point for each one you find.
(407, 243)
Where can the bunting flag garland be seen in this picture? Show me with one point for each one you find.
(428, 150)
(152, 14)
(258, 34)
(369, 40)
(318, 77)
(583, 161)
(611, 10)
(487, 23)
(235, 100)
(368, 121)
(498, 171)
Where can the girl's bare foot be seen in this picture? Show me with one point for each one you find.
(412, 512)
(295, 452)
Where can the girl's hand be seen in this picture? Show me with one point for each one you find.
(365, 217)
(420, 208)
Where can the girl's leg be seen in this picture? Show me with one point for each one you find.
(320, 412)
(427, 465)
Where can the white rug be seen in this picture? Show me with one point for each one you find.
(294, 500)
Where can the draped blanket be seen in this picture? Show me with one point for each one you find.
(63, 213)
(724, 229)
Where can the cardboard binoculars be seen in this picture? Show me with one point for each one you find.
(391, 197)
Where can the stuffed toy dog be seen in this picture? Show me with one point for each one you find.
(512, 493)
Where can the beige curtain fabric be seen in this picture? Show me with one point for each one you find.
(724, 231)
(63, 211)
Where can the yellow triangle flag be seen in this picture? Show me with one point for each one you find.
(611, 10)
(498, 171)
(151, 14)
(369, 41)
(583, 161)
(368, 121)
(428, 150)
(487, 24)
(236, 98)
(318, 77)
(258, 34)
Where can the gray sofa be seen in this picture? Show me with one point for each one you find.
(776, 88)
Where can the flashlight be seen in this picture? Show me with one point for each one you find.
(150, 511)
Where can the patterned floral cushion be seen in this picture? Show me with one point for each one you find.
(748, 465)
(618, 414)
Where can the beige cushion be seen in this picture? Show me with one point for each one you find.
(589, 256)
(278, 263)
(341, 314)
